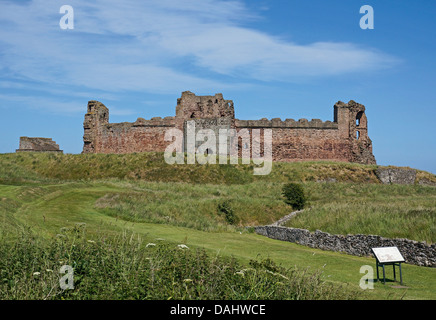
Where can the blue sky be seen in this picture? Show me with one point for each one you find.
(273, 58)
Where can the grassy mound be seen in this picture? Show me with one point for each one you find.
(151, 166)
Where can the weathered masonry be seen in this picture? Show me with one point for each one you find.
(344, 139)
(28, 144)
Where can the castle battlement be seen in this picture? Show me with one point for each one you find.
(288, 123)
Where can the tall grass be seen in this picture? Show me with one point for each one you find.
(393, 211)
(196, 206)
(128, 267)
(150, 166)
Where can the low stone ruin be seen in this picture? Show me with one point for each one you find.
(28, 144)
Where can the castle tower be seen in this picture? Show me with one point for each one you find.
(191, 106)
(205, 112)
(96, 116)
(353, 126)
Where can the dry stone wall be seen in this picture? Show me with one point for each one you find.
(414, 252)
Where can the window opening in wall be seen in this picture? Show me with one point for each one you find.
(358, 117)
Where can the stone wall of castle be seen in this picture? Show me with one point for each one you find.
(344, 139)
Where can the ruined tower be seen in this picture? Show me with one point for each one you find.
(353, 126)
(95, 118)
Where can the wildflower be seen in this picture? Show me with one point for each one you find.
(182, 246)
(36, 274)
(150, 245)
(187, 280)
(49, 270)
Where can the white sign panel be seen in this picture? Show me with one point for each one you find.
(388, 254)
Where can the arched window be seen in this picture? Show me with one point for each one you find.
(357, 134)
(358, 118)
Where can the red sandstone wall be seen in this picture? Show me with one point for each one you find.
(124, 138)
(309, 144)
(291, 140)
(297, 144)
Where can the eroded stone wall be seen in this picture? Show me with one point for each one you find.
(30, 144)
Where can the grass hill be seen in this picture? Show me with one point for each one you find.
(44, 196)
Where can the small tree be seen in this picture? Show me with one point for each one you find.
(294, 195)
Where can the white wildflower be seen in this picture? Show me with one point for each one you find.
(183, 246)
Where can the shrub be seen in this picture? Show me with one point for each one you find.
(294, 195)
(227, 210)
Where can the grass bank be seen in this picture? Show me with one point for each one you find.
(49, 210)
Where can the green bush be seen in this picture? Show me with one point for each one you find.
(227, 210)
(294, 195)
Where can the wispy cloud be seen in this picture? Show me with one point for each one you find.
(163, 46)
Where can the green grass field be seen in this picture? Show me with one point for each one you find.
(43, 196)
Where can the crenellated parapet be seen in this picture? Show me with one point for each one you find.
(154, 122)
(288, 123)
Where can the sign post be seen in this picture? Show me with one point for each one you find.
(388, 256)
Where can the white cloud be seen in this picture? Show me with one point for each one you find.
(56, 106)
(163, 46)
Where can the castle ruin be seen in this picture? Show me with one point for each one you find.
(33, 144)
(345, 139)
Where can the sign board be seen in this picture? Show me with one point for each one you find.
(388, 255)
